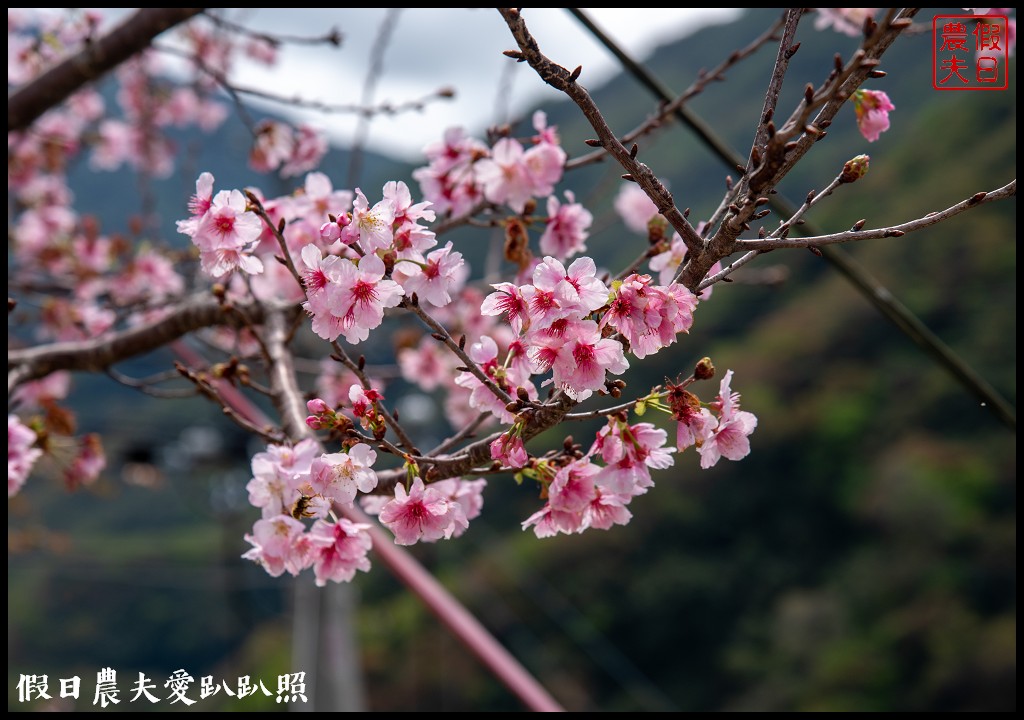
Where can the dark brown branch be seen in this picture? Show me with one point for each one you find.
(96, 355)
(92, 62)
(561, 79)
(771, 98)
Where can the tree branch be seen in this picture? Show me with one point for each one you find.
(199, 311)
(1007, 191)
(561, 79)
(92, 62)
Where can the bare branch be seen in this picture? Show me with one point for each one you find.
(1007, 191)
(671, 106)
(284, 388)
(96, 355)
(771, 98)
(561, 79)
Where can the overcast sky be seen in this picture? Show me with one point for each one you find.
(456, 47)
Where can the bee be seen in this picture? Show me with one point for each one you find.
(301, 508)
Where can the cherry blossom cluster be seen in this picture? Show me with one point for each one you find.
(566, 327)
(290, 151)
(223, 229)
(348, 292)
(293, 483)
(462, 171)
(582, 494)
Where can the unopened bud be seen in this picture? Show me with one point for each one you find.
(318, 406)
(657, 229)
(855, 169)
(704, 370)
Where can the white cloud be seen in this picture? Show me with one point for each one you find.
(458, 47)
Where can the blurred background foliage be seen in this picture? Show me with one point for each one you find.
(861, 558)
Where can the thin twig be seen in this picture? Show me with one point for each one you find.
(145, 385)
(403, 437)
(464, 433)
(332, 37)
(1007, 191)
(669, 105)
(446, 337)
(373, 74)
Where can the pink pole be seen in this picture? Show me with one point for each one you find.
(458, 619)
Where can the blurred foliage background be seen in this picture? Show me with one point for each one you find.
(861, 558)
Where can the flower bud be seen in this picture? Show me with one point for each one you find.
(704, 370)
(316, 406)
(855, 169)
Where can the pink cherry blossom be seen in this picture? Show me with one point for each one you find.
(319, 199)
(442, 273)
(566, 231)
(872, 108)
(398, 195)
(198, 205)
(848, 21)
(227, 234)
(88, 463)
(508, 448)
(468, 494)
(448, 182)
(579, 360)
(373, 227)
(572, 488)
(38, 393)
(427, 365)
(357, 296)
(21, 454)
(364, 403)
(549, 521)
(422, 513)
(339, 549)
(606, 509)
(504, 176)
(273, 146)
(507, 300)
(335, 380)
(731, 438)
(545, 163)
(279, 545)
(1011, 23)
(279, 473)
(309, 147)
(630, 452)
(635, 207)
(485, 354)
(341, 475)
(150, 276)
